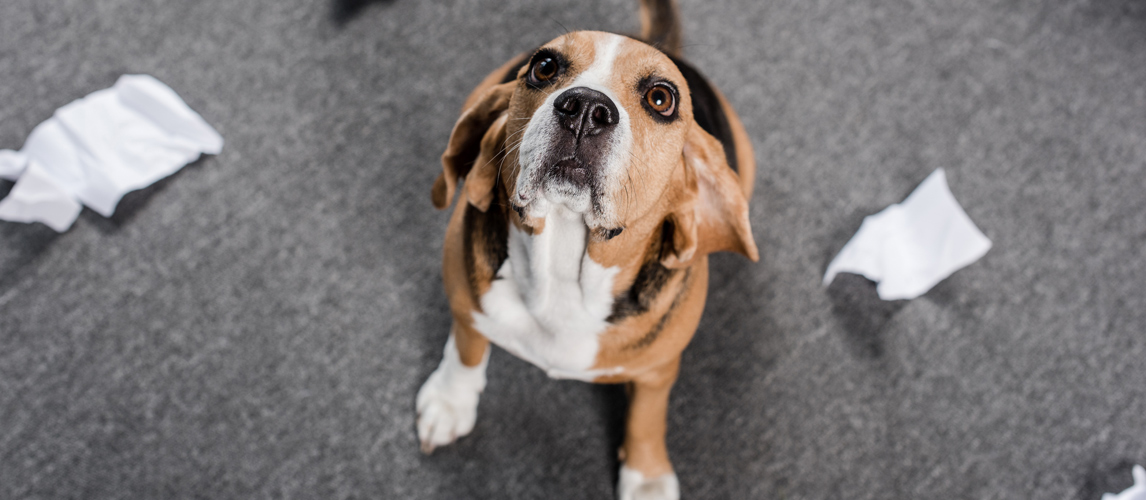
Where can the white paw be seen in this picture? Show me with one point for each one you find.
(447, 402)
(445, 413)
(635, 486)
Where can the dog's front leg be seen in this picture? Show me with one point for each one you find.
(646, 473)
(447, 402)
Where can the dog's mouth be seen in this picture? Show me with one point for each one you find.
(570, 181)
(571, 170)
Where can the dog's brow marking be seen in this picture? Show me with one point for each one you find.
(602, 67)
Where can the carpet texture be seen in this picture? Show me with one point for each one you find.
(257, 325)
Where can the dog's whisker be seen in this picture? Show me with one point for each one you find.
(503, 153)
(640, 177)
(554, 19)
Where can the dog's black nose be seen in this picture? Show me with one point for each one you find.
(585, 111)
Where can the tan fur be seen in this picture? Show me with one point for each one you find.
(679, 174)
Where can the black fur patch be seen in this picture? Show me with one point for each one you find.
(612, 233)
(651, 278)
(485, 233)
(655, 332)
(518, 63)
(707, 111)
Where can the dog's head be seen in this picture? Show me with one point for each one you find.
(601, 125)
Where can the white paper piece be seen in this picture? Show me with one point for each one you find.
(911, 246)
(100, 147)
(37, 198)
(11, 164)
(1136, 492)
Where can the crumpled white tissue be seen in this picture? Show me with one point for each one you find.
(98, 148)
(1136, 492)
(911, 246)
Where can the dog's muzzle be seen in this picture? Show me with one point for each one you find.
(589, 117)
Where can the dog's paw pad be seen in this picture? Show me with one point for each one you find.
(635, 486)
(444, 413)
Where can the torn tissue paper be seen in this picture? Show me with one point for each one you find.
(911, 246)
(1136, 492)
(96, 149)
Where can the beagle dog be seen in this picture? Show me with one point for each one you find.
(599, 172)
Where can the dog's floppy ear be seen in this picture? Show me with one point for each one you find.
(712, 214)
(469, 139)
(483, 175)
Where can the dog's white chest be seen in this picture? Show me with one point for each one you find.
(549, 302)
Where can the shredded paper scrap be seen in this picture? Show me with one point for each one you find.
(98, 148)
(911, 246)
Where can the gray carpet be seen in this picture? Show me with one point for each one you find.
(257, 325)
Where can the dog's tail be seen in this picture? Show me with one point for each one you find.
(660, 25)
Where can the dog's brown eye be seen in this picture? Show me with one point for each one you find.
(661, 100)
(544, 70)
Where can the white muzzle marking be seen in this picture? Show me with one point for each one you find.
(535, 192)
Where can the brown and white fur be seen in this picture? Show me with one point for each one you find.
(581, 239)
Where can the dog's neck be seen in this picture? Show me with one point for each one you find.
(554, 259)
(559, 283)
(550, 301)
